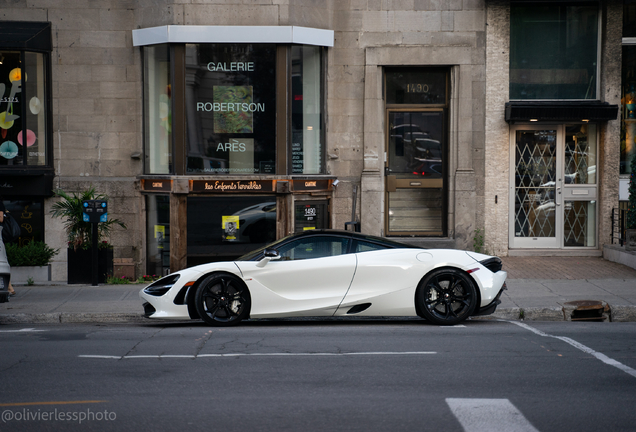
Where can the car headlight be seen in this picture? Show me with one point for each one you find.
(162, 286)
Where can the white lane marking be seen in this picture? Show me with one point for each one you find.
(487, 415)
(602, 357)
(22, 330)
(255, 355)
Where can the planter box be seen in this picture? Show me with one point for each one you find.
(80, 265)
(40, 275)
(630, 240)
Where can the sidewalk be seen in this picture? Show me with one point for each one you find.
(538, 289)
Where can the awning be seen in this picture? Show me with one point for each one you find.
(23, 35)
(232, 34)
(551, 111)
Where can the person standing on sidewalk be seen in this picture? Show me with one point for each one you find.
(2, 212)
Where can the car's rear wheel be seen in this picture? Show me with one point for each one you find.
(222, 300)
(446, 297)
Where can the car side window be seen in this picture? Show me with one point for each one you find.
(313, 247)
(362, 246)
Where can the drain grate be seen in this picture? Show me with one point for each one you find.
(586, 310)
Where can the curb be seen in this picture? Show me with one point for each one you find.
(617, 314)
(68, 317)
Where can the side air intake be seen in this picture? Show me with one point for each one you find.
(358, 308)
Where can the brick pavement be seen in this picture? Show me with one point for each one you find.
(572, 268)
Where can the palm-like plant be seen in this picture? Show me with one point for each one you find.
(79, 232)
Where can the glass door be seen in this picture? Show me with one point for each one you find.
(415, 173)
(553, 186)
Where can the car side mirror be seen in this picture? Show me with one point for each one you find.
(271, 253)
(268, 255)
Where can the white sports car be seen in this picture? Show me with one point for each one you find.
(324, 273)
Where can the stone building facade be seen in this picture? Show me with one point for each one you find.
(396, 109)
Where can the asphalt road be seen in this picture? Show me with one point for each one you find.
(320, 375)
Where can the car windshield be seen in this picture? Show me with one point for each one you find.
(253, 254)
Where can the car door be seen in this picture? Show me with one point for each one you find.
(311, 277)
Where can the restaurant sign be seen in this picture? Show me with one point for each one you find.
(232, 186)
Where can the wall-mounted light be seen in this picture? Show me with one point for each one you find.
(533, 120)
(310, 128)
(1, 59)
(585, 120)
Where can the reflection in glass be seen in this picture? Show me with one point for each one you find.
(157, 110)
(226, 227)
(579, 224)
(553, 51)
(415, 144)
(306, 147)
(580, 154)
(535, 172)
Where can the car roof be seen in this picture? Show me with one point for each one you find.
(349, 234)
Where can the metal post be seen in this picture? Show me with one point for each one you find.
(95, 256)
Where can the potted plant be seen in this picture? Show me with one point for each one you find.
(79, 236)
(630, 222)
(30, 262)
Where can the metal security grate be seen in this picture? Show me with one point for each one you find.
(535, 172)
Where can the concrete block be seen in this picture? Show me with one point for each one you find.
(470, 20)
(119, 90)
(196, 14)
(623, 313)
(103, 39)
(430, 5)
(543, 314)
(410, 21)
(73, 19)
(117, 19)
(404, 5)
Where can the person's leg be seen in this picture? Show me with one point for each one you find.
(11, 290)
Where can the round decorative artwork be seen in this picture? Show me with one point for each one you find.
(8, 149)
(35, 105)
(4, 124)
(30, 138)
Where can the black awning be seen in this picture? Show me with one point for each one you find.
(24, 35)
(593, 111)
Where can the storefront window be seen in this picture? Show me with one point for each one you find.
(553, 50)
(580, 154)
(231, 108)
(30, 216)
(224, 228)
(23, 138)
(158, 110)
(579, 224)
(158, 235)
(306, 146)
(628, 102)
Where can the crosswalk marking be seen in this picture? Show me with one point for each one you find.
(487, 415)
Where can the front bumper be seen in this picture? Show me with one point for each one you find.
(4, 287)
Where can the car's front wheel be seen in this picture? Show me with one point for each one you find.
(446, 297)
(222, 300)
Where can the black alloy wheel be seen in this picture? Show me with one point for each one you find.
(222, 300)
(446, 297)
